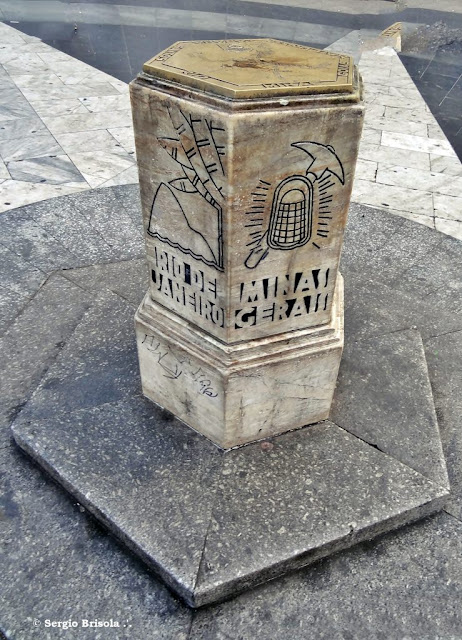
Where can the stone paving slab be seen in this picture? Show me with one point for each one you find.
(390, 290)
(30, 249)
(11, 304)
(317, 491)
(59, 564)
(98, 365)
(225, 521)
(370, 402)
(128, 279)
(21, 234)
(17, 275)
(405, 584)
(32, 343)
(446, 374)
(63, 220)
(408, 585)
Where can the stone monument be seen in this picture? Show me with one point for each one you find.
(246, 152)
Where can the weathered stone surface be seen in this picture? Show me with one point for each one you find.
(403, 585)
(59, 564)
(239, 249)
(406, 584)
(127, 279)
(381, 296)
(315, 492)
(445, 368)
(75, 230)
(142, 473)
(234, 394)
(401, 255)
(18, 276)
(116, 217)
(97, 366)
(225, 521)
(321, 489)
(388, 405)
(11, 304)
(238, 235)
(35, 338)
(66, 223)
(21, 234)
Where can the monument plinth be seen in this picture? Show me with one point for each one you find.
(246, 152)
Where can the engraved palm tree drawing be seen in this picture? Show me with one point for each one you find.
(300, 204)
(186, 212)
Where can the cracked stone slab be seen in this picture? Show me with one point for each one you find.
(399, 275)
(141, 473)
(128, 279)
(224, 521)
(59, 563)
(34, 339)
(316, 491)
(117, 217)
(399, 415)
(96, 366)
(17, 275)
(405, 584)
(21, 233)
(62, 219)
(446, 376)
(399, 253)
(11, 304)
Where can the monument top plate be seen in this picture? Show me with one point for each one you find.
(253, 68)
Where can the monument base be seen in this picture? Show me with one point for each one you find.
(239, 393)
(210, 522)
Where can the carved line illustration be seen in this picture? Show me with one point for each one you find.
(198, 148)
(296, 205)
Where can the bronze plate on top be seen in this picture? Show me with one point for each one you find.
(253, 68)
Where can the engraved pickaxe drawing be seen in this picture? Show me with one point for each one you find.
(323, 158)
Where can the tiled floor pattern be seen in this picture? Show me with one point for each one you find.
(65, 127)
(405, 164)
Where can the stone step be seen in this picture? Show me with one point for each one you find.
(33, 341)
(214, 523)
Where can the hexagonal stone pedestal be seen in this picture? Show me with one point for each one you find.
(211, 522)
(246, 152)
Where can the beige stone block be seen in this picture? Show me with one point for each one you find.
(237, 393)
(245, 187)
(231, 257)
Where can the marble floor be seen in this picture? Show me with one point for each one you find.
(66, 127)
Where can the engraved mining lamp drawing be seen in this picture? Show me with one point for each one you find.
(298, 200)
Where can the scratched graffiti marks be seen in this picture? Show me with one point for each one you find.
(299, 207)
(187, 212)
(175, 366)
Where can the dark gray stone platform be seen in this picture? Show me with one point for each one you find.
(214, 523)
(58, 563)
